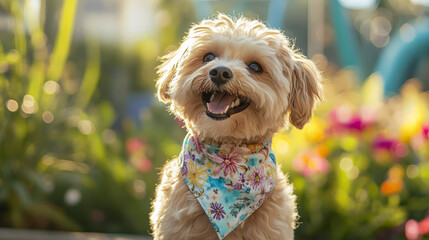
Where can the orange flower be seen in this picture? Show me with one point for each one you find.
(309, 163)
(391, 186)
(323, 151)
(394, 182)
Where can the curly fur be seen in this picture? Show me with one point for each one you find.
(287, 89)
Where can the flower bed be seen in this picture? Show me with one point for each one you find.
(361, 167)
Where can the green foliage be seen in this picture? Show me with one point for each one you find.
(59, 161)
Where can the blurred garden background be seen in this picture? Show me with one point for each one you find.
(82, 138)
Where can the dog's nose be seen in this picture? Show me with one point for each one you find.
(220, 75)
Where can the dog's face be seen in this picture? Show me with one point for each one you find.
(238, 80)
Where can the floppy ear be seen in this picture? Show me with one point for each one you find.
(305, 86)
(167, 70)
(306, 89)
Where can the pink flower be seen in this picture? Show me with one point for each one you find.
(425, 131)
(309, 163)
(424, 226)
(420, 139)
(343, 119)
(197, 144)
(133, 144)
(257, 179)
(226, 162)
(394, 148)
(412, 230)
(415, 230)
(145, 165)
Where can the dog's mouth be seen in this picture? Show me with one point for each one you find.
(221, 105)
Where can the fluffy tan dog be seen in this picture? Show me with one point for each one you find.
(256, 80)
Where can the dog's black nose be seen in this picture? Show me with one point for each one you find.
(220, 75)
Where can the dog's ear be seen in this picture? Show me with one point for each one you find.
(305, 86)
(166, 72)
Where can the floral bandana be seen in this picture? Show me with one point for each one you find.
(230, 182)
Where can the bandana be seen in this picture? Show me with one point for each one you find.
(230, 182)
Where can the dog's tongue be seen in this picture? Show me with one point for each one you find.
(220, 102)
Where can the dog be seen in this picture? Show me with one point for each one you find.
(234, 82)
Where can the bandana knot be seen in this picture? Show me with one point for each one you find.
(229, 181)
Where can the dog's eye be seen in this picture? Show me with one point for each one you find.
(255, 67)
(208, 57)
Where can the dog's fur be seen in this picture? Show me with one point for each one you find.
(289, 86)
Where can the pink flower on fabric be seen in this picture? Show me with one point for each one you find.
(198, 145)
(257, 179)
(217, 211)
(227, 162)
(187, 156)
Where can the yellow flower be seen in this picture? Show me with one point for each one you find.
(197, 175)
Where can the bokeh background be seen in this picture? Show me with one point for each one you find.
(82, 137)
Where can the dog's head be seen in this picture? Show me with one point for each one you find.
(238, 80)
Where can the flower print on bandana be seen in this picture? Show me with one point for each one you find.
(242, 181)
(217, 211)
(197, 175)
(230, 182)
(228, 162)
(257, 179)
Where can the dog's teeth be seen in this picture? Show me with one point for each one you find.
(226, 109)
(211, 98)
(237, 102)
(232, 104)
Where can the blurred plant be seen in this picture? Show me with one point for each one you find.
(59, 161)
(377, 153)
(415, 230)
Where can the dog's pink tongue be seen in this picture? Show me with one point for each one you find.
(220, 102)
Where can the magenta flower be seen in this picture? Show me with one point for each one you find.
(390, 146)
(217, 211)
(425, 131)
(226, 162)
(257, 179)
(343, 119)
